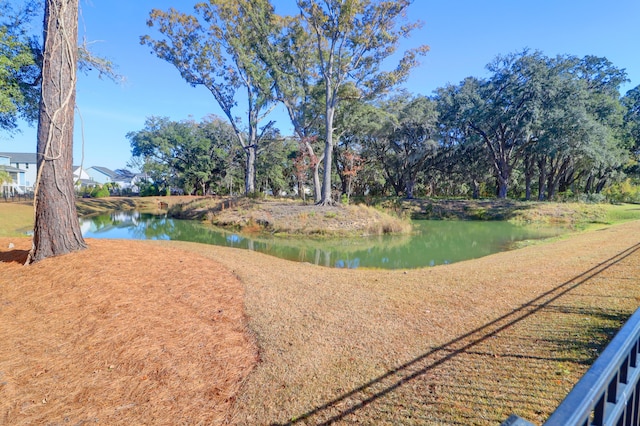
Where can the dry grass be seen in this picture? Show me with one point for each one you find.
(118, 334)
(131, 333)
(292, 217)
(468, 343)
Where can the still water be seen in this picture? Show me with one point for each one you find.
(432, 242)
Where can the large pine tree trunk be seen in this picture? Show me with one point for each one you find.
(57, 230)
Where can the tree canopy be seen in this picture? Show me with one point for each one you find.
(20, 62)
(214, 48)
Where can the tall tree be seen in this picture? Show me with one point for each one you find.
(580, 130)
(287, 49)
(57, 230)
(214, 49)
(631, 102)
(503, 109)
(412, 138)
(352, 39)
(19, 66)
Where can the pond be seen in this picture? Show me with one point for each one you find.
(432, 242)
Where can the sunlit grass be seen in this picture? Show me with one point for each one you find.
(622, 213)
(15, 219)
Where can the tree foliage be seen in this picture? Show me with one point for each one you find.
(20, 61)
(214, 48)
(352, 38)
(186, 155)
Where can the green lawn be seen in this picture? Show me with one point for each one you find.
(15, 219)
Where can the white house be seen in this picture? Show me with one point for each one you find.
(16, 175)
(101, 175)
(82, 178)
(123, 178)
(27, 163)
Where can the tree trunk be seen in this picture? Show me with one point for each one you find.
(250, 169)
(589, 184)
(326, 198)
(542, 177)
(315, 165)
(476, 189)
(57, 230)
(503, 181)
(528, 176)
(408, 187)
(317, 189)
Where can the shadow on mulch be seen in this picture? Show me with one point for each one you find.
(14, 256)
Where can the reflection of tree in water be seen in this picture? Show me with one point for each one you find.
(105, 222)
(152, 227)
(432, 243)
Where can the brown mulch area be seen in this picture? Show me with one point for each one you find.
(119, 334)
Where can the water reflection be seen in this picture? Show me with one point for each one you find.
(432, 243)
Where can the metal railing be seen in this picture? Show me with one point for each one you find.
(609, 392)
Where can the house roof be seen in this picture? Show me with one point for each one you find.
(86, 182)
(11, 169)
(21, 157)
(105, 171)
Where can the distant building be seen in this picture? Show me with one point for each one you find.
(124, 179)
(81, 178)
(101, 175)
(23, 167)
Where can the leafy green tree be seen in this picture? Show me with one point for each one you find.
(364, 132)
(183, 154)
(412, 139)
(287, 49)
(5, 177)
(631, 103)
(214, 49)
(462, 155)
(275, 170)
(352, 39)
(19, 66)
(580, 136)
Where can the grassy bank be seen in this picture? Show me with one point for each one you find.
(15, 219)
(132, 332)
(579, 215)
(291, 217)
(468, 343)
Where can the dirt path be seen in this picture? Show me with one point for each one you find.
(154, 333)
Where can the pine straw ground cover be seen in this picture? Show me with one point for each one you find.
(122, 333)
(134, 333)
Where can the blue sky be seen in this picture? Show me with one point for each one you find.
(464, 35)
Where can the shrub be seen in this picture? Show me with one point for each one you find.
(623, 192)
(100, 191)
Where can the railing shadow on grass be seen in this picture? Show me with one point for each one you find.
(609, 392)
(405, 373)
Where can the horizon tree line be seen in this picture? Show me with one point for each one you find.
(536, 128)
